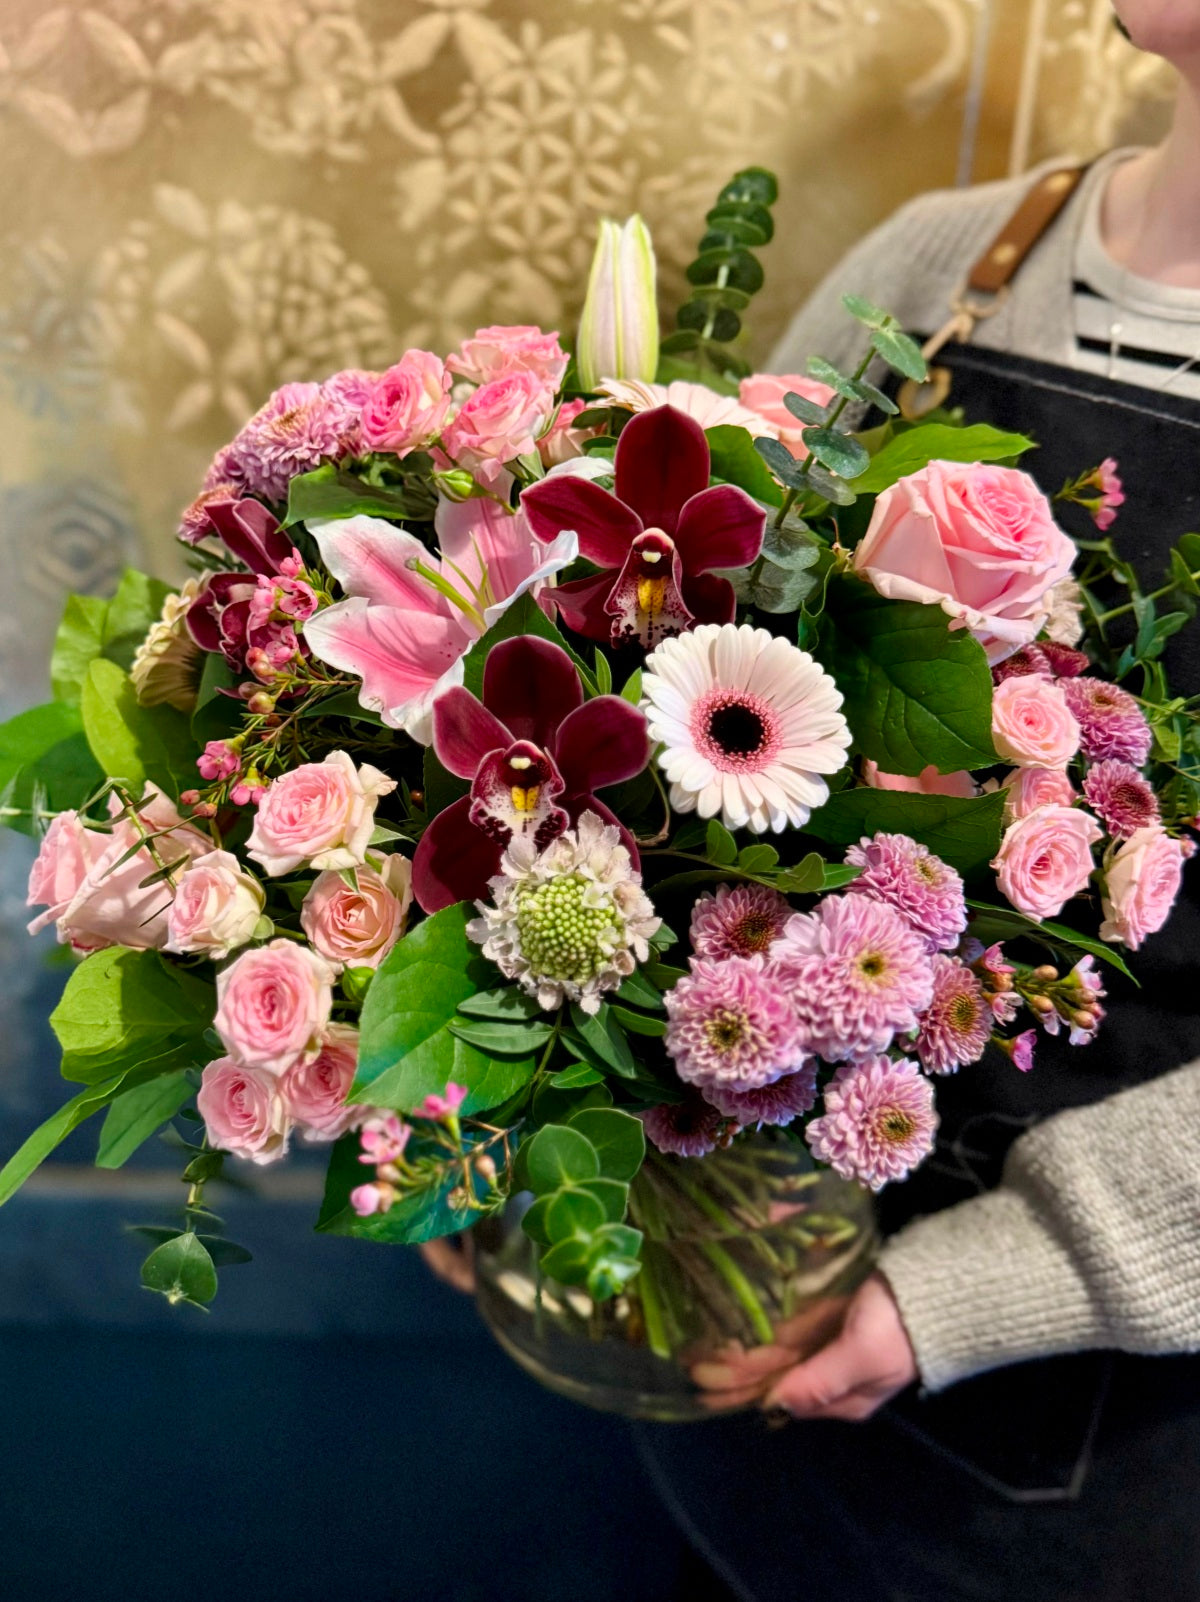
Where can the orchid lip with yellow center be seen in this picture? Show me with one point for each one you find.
(514, 793)
(646, 603)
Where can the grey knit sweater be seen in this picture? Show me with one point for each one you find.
(1093, 1237)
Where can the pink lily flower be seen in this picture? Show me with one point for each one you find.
(658, 539)
(410, 617)
(534, 752)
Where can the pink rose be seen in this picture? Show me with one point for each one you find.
(1141, 884)
(928, 782)
(763, 393)
(315, 1092)
(322, 813)
(1046, 858)
(502, 419)
(407, 405)
(243, 1111)
(561, 442)
(216, 907)
(978, 541)
(357, 928)
(273, 1005)
(1030, 788)
(63, 860)
(1032, 725)
(499, 351)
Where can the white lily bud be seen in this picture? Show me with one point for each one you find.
(618, 331)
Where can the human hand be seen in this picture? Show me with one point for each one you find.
(733, 1376)
(867, 1362)
(452, 1259)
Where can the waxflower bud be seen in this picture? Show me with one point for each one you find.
(260, 703)
(618, 330)
(485, 1167)
(458, 1199)
(1047, 974)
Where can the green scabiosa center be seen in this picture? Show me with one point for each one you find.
(564, 935)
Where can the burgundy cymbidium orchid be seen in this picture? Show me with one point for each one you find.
(659, 538)
(534, 752)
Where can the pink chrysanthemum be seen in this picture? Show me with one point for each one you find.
(879, 1121)
(1123, 798)
(1110, 721)
(925, 891)
(777, 1103)
(732, 1023)
(689, 1128)
(296, 430)
(858, 973)
(738, 921)
(346, 393)
(957, 1024)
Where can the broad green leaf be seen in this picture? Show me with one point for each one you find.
(609, 1274)
(915, 448)
(613, 1194)
(567, 1262)
(181, 1270)
(424, 1215)
(736, 461)
(573, 1211)
(560, 1155)
(807, 410)
(840, 453)
(124, 1009)
(760, 858)
(328, 492)
(134, 743)
(137, 1114)
(864, 311)
(80, 639)
(524, 616)
(616, 1137)
(575, 1077)
(508, 1004)
(917, 693)
(44, 757)
(782, 463)
(509, 1039)
(963, 832)
(137, 604)
(600, 1032)
(216, 716)
(720, 846)
(637, 991)
(637, 1023)
(806, 878)
(37, 1147)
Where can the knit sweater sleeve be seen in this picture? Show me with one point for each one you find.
(1092, 1240)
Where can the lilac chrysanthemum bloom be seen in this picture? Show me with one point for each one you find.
(776, 1103)
(1110, 721)
(689, 1128)
(732, 1023)
(957, 1024)
(879, 1121)
(1122, 797)
(296, 430)
(924, 890)
(738, 921)
(858, 973)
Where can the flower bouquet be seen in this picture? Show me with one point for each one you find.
(597, 795)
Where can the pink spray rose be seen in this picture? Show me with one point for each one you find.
(243, 1111)
(978, 541)
(216, 907)
(407, 405)
(315, 1092)
(273, 1005)
(1045, 858)
(357, 928)
(502, 419)
(498, 351)
(1030, 788)
(66, 854)
(928, 782)
(322, 813)
(562, 442)
(1032, 725)
(763, 393)
(1141, 884)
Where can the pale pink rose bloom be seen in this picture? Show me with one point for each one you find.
(500, 421)
(216, 907)
(1045, 858)
(1029, 788)
(315, 1092)
(243, 1111)
(1032, 725)
(322, 813)
(561, 442)
(273, 1005)
(928, 782)
(357, 928)
(408, 405)
(763, 393)
(1141, 884)
(977, 540)
(497, 351)
(63, 860)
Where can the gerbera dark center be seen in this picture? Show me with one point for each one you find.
(737, 729)
(895, 1124)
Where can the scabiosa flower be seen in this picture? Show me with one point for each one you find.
(738, 921)
(1110, 721)
(957, 1024)
(688, 1128)
(776, 1103)
(748, 722)
(296, 430)
(569, 922)
(859, 974)
(1122, 797)
(878, 1123)
(925, 891)
(732, 1023)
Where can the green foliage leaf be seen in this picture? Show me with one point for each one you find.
(759, 858)
(44, 759)
(524, 616)
(560, 1155)
(137, 1114)
(636, 1023)
(575, 1077)
(329, 492)
(1006, 923)
(613, 1194)
(508, 1039)
(840, 453)
(567, 1261)
(915, 448)
(782, 463)
(805, 879)
(603, 1035)
(127, 618)
(719, 845)
(617, 1139)
(135, 743)
(901, 352)
(572, 1210)
(80, 639)
(216, 716)
(864, 311)
(963, 832)
(423, 1215)
(37, 1147)
(506, 1004)
(124, 1009)
(181, 1270)
(637, 991)
(736, 461)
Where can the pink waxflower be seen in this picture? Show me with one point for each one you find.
(357, 927)
(732, 1024)
(244, 1111)
(1110, 721)
(1077, 1001)
(763, 393)
(498, 351)
(1122, 797)
(688, 1128)
(216, 907)
(738, 921)
(444, 1106)
(383, 1139)
(293, 432)
(369, 1199)
(1019, 1048)
(218, 761)
(928, 782)
(1140, 886)
(273, 1005)
(859, 974)
(315, 1091)
(777, 1103)
(321, 813)
(925, 891)
(1045, 858)
(1032, 725)
(879, 1121)
(1026, 789)
(499, 421)
(407, 406)
(957, 1024)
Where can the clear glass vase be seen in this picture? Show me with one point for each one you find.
(736, 1244)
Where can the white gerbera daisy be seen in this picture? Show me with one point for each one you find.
(747, 723)
(702, 404)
